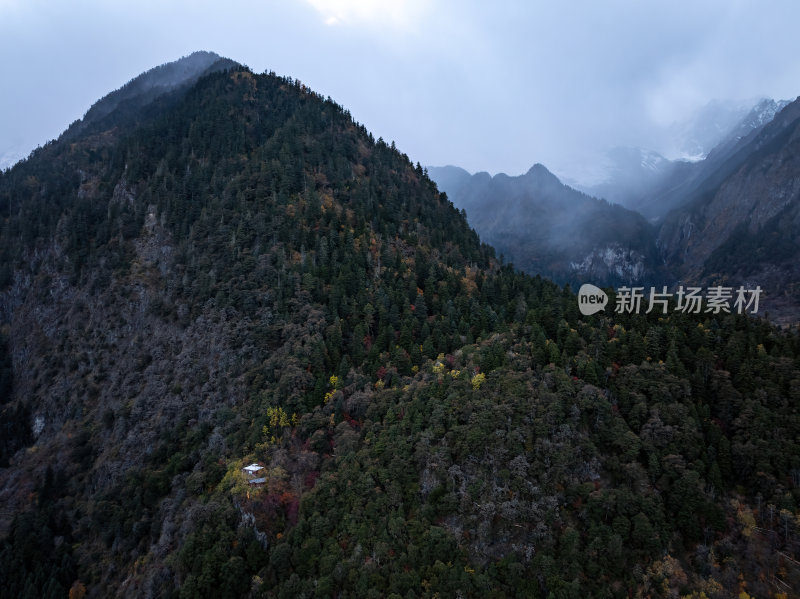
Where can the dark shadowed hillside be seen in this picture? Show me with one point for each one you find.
(742, 225)
(236, 273)
(547, 228)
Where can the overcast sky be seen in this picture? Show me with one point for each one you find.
(494, 86)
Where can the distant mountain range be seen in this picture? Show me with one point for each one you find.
(730, 218)
(548, 228)
(126, 103)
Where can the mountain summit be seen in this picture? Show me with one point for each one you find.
(144, 89)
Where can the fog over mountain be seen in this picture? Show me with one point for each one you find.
(148, 86)
(651, 179)
(693, 137)
(545, 227)
(467, 83)
(729, 218)
(10, 156)
(739, 223)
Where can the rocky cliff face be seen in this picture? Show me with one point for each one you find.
(744, 228)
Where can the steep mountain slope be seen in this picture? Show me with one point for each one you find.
(158, 274)
(237, 272)
(645, 181)
(451, 179)
(547, 228)
(694, 136)
(757, 117)
(687, 181)
(742, 224)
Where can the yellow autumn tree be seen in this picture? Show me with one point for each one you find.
(277, 420)
(478, 380)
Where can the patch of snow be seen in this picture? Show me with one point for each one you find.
(38, 426)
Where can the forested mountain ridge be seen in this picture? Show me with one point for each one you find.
(241, 273)
(129, 101)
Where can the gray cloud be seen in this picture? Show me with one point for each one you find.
(487, 86)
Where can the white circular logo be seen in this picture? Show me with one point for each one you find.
(591, 299)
